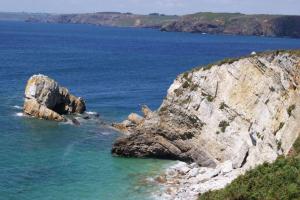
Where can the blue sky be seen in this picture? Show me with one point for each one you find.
(148, 6)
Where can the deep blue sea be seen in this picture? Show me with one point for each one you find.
(116, 70)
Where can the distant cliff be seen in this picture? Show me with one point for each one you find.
(154, 20)
(204, 22)
(237, 24)
(21, 16)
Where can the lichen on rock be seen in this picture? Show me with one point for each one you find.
(45, 99)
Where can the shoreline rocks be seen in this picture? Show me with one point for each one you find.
(45, 99)
(187, 181)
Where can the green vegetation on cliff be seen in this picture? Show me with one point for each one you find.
(280, 180)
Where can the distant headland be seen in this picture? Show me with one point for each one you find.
(202, 22)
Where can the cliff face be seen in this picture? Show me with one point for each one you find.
(245, 111)
(237, 24)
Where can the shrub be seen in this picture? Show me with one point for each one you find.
(279, 128)
(278, 145)
(296, 146)
(210, 98)
(178, 92)
(223, 125)
(290, 109)
(194, 87)
(272, 89)
(163, 109)
(185, 84)
(222, 106)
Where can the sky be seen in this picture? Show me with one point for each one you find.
(178, 7)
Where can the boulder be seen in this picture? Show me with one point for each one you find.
(135, 118)
(45, 99)
(146, 111)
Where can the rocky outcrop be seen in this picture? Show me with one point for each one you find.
(45, 99)
(245, 111)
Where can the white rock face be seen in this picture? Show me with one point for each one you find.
(230, 117)
(196, 180)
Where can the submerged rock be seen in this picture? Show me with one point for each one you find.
(45, 99)
(245, 111)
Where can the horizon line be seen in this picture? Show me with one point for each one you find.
(118, 12)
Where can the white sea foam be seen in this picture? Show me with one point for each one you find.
(106, 133)
(19, 114)
(91, 113)
(17, 107)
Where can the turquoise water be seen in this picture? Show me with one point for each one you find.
(115, 70)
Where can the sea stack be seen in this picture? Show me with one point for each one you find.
(45, 99)
(245, 111)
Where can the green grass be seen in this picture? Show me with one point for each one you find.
(277, 181)
(211, 17)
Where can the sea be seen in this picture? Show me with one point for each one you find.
(116, 70)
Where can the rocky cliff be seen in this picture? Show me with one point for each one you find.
(204, 22)
(45, 99)
(22, 16)
(109, 19)
(244, 111)
(237, 24)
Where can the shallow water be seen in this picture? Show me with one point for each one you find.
(116, 70)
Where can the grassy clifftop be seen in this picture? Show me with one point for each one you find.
(280, 180)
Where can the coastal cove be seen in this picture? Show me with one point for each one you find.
(115, 70)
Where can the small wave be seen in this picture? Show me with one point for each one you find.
(19, 114)
(91, 113)
(70, 148)
(106, 133)
(17, 107)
